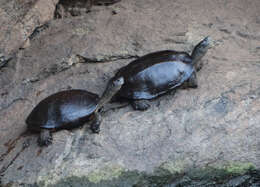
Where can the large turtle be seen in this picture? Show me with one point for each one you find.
(157, 73)
(66, 110)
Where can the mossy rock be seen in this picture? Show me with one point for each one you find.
(167, 174)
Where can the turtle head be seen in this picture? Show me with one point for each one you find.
(114, 85)
(112, 88)
(201, 49)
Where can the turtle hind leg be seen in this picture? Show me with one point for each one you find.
(45, 138)
(95, 125)
(140, 105)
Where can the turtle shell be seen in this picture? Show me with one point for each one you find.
(63, 110)
(154, 74)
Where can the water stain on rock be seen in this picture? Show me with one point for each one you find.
(219, 107)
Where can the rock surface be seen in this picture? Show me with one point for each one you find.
(20, 18)
(214, 126)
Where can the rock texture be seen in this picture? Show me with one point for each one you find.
(68, 8)
(214, 127)
(20, 18)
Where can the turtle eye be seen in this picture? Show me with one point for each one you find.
(114, 84)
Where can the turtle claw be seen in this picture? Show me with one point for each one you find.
(44, 142)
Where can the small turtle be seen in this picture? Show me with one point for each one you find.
(157, 73)
(67, 110)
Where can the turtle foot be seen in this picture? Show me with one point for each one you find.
(45, 138)
(44, 142)
(172, 92)
(192, 82)
(199, 66)
(140, 105)
(95, 126)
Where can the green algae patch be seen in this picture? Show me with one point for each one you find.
(164, 174)
(239, 168)
(169, 173)
(106, 173)
(220, 173)
(124, 178)
(173, 168)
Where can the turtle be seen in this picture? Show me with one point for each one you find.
(157, 73)
(66, 110)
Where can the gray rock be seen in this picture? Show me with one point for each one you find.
(19, 19)
(214, 126)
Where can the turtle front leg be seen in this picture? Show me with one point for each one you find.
(199, 66)
(140, 104)
(192, 82)
(95, 125)
(45, 138)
